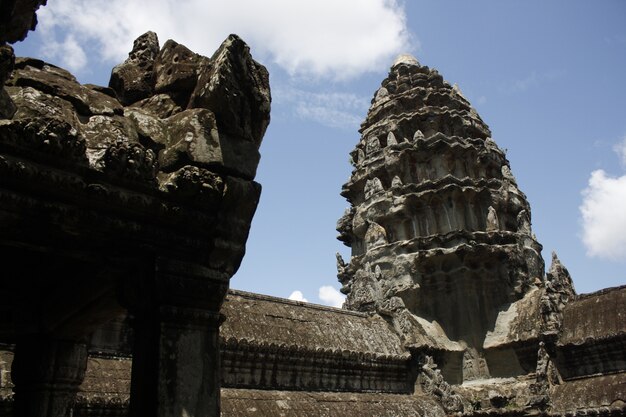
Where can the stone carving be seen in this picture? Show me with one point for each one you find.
(372, 187)
(133, 80)
(373, 145)
(474, 366)
(492, 220)
(391, 139)
(376, 236)
(365, 289)
(343, 274)
(507, 175)
(361, 156)
(558, 291)
(457, 90)
(432, 382)
(381, 94)
(433, 249)
(523, 223)
(159, 185)
(546, 376)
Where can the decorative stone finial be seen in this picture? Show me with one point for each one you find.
(391, 139)
(492, 220)
(407, 59)
(418, 135)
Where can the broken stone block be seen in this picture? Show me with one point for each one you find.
(236, 89)
(133, 79)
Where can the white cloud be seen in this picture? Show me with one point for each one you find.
(332, 109)
(73, 54)
(620, 149)
(331, 296)
(604, 216)
(297, 296)
(320, 38)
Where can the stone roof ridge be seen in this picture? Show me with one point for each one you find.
(603, 291)
(239, 343)
(274, 299)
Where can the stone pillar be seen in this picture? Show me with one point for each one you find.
(46, 373)
(176, 352)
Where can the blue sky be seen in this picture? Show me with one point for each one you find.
(548, 77)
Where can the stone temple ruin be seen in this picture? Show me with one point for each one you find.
(124, 211)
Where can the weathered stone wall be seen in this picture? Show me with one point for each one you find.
(594, 328)
(141, 205)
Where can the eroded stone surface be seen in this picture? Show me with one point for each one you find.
(237, 91)
(133, 79)
(440, 233)
(17, 17)
(152, 203)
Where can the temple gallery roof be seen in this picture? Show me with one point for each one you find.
(266, 320)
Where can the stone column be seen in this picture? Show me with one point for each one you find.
(176, 364)
(47, 373)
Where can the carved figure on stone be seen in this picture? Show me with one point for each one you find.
(342, 269)
(360, 155)
(375, 236)
(373, 145)
(396, 182)
(490, 143)
(558, 291)
(432, 382)
(523, 223)
(550, 313)
(470, 370)
(492, 220)
(391, 139)
(546, 375)
(365, 291)
(381, 94)
(561, 279)
(391, 306)
(378, 273)
(418, 135)
(373, 187)
(507, 174)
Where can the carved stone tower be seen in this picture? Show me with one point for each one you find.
(440, 233)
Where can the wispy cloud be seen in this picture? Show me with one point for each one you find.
(331, 296)
(73, 54)
(620, 149)
(615, 39)
(321, 38)
(298, 296)
(332, 109)
(530, 81)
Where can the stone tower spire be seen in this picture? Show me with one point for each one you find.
(440, 233)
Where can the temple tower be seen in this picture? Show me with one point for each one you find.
(440, 233)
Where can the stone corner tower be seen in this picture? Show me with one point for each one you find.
(440, 233)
